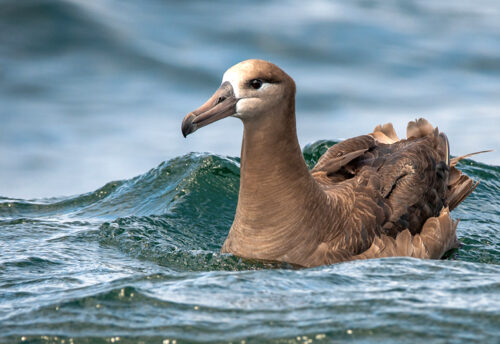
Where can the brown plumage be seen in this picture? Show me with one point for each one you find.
(369, 196)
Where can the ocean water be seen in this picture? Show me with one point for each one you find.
(138, 261)
(111, 223)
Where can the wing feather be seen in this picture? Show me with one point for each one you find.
(398, 193)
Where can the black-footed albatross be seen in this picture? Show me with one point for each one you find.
(370, 196)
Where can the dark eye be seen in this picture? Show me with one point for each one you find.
(256, 83)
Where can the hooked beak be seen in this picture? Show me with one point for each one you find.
(222, 104)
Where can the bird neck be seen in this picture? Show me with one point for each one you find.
(277, 193)
(271, 154)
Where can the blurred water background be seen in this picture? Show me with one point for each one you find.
(93, 91)
(92, 94)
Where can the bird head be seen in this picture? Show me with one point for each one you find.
(249, 90)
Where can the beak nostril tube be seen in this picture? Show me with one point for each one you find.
(221, 104)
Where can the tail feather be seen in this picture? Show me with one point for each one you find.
(460, 187)
(418, 128)
(454, 161)
(385, 134)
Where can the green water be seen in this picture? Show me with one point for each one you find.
(138, 261)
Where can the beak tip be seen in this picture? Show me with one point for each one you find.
(185, 130)
(187, 126)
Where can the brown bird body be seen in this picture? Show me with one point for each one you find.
(367, 197)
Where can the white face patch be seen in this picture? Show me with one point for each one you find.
(233, 77)
(249, 100)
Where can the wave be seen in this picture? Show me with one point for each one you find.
(158, 191)
(196, 183)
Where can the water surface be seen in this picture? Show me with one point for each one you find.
(139, 259)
